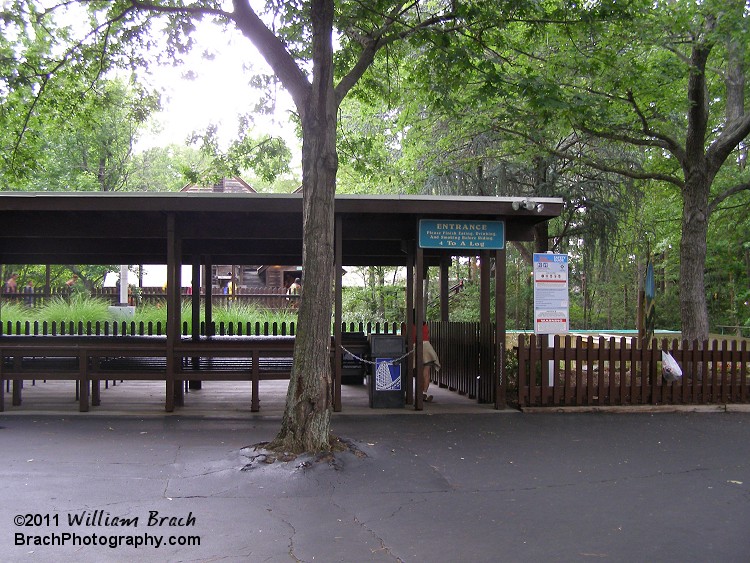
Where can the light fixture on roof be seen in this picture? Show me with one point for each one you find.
(527, 205)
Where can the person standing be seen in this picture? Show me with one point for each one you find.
(294, 291)
(429, 360)
(11, 284)
(28, 292)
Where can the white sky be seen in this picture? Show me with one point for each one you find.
(218, 91)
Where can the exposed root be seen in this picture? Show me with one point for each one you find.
(263, 453)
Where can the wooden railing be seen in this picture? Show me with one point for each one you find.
(132, 328)
(616, 371)
(574, 371)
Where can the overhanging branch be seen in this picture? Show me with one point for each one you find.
(378, 39)
(595, 164)
(727, 194)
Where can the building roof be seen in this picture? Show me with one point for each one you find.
(231, 228)
(225, 185)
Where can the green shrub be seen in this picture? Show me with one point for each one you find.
(77, 308)
(152, 313)
(13, 312)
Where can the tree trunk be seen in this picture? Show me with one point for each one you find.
(693, 307)
(541, 237)
(305, 426)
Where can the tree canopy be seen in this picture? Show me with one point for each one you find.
(612, 108)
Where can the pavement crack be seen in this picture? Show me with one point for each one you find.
(383, 547)
(291, 538)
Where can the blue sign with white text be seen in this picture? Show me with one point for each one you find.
(387, 375)
(461, 234)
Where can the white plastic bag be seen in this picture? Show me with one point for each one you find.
(670, 369)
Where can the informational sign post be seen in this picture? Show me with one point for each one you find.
(461, 234)
(551, 301)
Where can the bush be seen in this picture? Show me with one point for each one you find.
(13, 312)
(78, 308)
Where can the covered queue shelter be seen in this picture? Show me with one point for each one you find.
(201, 230)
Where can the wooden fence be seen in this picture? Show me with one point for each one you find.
(132, 328)
(574, 371)
(615, 371)
(467, 357)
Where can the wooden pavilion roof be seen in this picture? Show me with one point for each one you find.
(231, 228)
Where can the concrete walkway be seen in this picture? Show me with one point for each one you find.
(433, 486)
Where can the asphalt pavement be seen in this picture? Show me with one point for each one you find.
(433, 486)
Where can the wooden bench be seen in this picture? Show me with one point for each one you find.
(90, 359)
(64, 358)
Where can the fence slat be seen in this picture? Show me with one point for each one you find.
(567, 371)
(744, 361)
(523, 381)
(611, 371)
(724, 373)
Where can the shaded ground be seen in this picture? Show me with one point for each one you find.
(429, 487)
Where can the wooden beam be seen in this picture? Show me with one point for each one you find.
(172, 317)
(484, 286)
(208, 296)
(445, 262)
(337, 315)
(501, 299)
(419, 319)
(409, 323)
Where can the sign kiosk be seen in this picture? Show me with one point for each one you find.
(551, 301)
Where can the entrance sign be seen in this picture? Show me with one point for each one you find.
(551, 302)
(461, 234)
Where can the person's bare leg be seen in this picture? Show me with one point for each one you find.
(426, 383)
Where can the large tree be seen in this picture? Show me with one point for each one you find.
(702, 54)
(668, 89)
(309, 73)
(650, 92)
(297, 41)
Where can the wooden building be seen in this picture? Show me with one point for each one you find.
(208, 228)
(243, 278)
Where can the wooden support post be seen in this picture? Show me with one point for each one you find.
(255, 401)
(47, 283)
(445, 262)
(17, 387)
(96, 398)
(208, 297)
(83, 361)
(195, 298)
(17, 383)
(500, 336)
(172, 316)
(409, 323)
(419, 319)
(2, 384)
(179, 385)
(195, 310)
(484, 286)
(337, 315)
